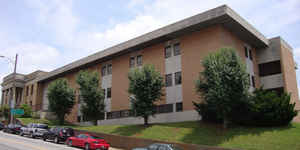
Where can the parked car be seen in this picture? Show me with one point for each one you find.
(88, 142)
(2, 126)
(159, 146)
(58, 134)
(12, 128)
(34, 130)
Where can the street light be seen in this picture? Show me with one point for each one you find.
(14, 86)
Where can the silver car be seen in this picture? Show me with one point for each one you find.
(159, 146)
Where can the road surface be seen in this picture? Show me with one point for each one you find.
(16, 142)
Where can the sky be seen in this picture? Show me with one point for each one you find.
(48, 34)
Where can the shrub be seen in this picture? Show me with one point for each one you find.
(208, 112)
(27, 111)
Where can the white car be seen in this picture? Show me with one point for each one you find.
(34, 130)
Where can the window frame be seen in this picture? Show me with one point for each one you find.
(166, 52)
(176, 78)
(139, 60)
(103, 71)
(109, 69)
(176, 52)
(167, 80)
(108, 95)
(131, 62)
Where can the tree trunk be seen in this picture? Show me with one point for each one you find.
(61, 120)
(225, 122)
(146, 120)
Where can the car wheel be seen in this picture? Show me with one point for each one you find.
(56, 140)
(21, 133)
(31, 135)
(87, 147)
(44, 138)
(70, 143)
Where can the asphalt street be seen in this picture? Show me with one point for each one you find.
(16, 142)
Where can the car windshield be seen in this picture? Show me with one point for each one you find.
(42, 126)
(175, 147)
(95, 137)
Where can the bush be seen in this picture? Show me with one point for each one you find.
(36, 115)
(267, 108)
(27, 111)
(208, 112)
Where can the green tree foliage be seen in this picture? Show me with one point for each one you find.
(145, 85)
(223, 84)
(61, 99)
(92, 95)
(5, 111)
(267, 108)
(27, 111)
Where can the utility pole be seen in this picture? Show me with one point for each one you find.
(14, 89)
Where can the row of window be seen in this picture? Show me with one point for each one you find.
(165, 108)
(169, 79)
(269, 68)
(172, 50)
(248, 52)
(136, 61)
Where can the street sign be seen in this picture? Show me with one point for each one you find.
(17, 111)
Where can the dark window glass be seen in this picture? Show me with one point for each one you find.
(168, 80)
(131, 62)
(178, 107)
(269, 68)
(109, 68)
(250, 54)
(103, 70)
(165, 108)
(177, 49)
(108, 92)
(177, 78)
(139, 60)
(253, 81)
(168, 51)
(246, 51)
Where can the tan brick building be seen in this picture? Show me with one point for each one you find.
(176, 51)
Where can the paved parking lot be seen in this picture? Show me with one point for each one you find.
(16, 142)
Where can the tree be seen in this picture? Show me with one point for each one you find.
(5, 111)
(61, 99)
(27, 111)
(223, 84)
(92, 96)
(145, 85)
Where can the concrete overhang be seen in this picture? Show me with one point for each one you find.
(220, 15)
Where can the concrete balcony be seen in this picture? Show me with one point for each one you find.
(272, 81)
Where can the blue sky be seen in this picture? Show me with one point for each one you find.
(48, 34)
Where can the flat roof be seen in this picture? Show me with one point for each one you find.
(220, 15)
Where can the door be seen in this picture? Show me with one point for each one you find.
(81, 140)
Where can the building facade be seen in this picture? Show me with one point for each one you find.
(176, 52)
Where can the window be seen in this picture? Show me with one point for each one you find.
(168, 80)
(176, 49)
(177, 78)
(178, 107)
(30, 103)
(109, 68)
(104, 92)
(103, 70)
(269, 68)
(31, 92)
(108, 92)
(78, 118)
(162, 147)
(246, 51)
(250, 54)
(168, 51)
(131, 62)
(139, 60)
(253, 81)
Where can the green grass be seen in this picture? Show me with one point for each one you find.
(26, 121)
(248, 138)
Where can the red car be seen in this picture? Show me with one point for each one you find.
(88, 142)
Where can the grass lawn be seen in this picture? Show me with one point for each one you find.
(248, 138)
